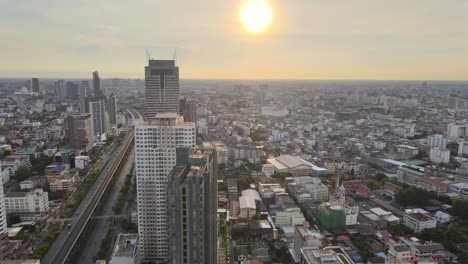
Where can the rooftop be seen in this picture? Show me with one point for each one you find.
(125, 245)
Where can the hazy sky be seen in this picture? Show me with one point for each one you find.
(308, 39)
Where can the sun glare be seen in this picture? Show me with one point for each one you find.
(256, 15)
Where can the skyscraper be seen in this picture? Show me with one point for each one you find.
(78, 131)
(83, 104)
(112, 109)
(155, 157)
(189, 110)
(84, 87)
(192, 206)
(97, 85)
(162, 87)
(99, 118)
(35, 85)
(71, 90)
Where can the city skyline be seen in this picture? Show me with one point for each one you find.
(306, 40)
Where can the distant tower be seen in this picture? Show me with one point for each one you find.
(35, 85)
(112, 109)
(97, 85)
(190, 110)
(162, 87)
(99, 118)
(84, 88)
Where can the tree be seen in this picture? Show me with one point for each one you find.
(13, 219)
(244, 182)
(460, 208)
(23, 173)
(415, 196)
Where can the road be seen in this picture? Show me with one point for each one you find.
(64, 243)
(93, 243)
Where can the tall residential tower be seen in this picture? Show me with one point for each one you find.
(155, 157)
(192, 207)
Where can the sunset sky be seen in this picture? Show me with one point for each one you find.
(307, 39)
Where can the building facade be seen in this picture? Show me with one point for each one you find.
(36, 202)
(192, 207)
(99, 118)
(112, 110)
(155, 157)
(162, 88)
(78, 131)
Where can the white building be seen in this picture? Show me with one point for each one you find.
(126, 250)
(352, 212)
(462, 147)
(398, 253)
(442, 217)
(99, 119)
(4, 176)
(274, 111)
(438, 155)
(155, 156)
(36, 201)
(379, 144)
(437, 140)
(82, 162)
(418, 220)
(247, 203)
(457, 130)
(268, 169)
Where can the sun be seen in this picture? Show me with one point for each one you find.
(256, 15)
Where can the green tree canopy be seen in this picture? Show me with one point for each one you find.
(415, 197)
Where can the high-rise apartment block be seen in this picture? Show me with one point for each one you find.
(162, 87)
(189, 110)
(97, 85)
(99, 118)
(78, 131)
(112, 109)
(155, 157)
(457, 130)
(35, 85)
(437, 140)
(192, 207)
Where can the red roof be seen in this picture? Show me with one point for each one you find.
(364, 191)
(392, 187)
(431, 181)
(352, 185)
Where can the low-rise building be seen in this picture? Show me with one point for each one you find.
(36, 202)
(82, 162)
(418, 220)
(126, 250)
(247, 203)
(391, 189)
(398, 253)
(315, 255)
(295, 165)
(32, 182)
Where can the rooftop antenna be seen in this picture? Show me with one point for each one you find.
(148, 56)
(174, 57)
